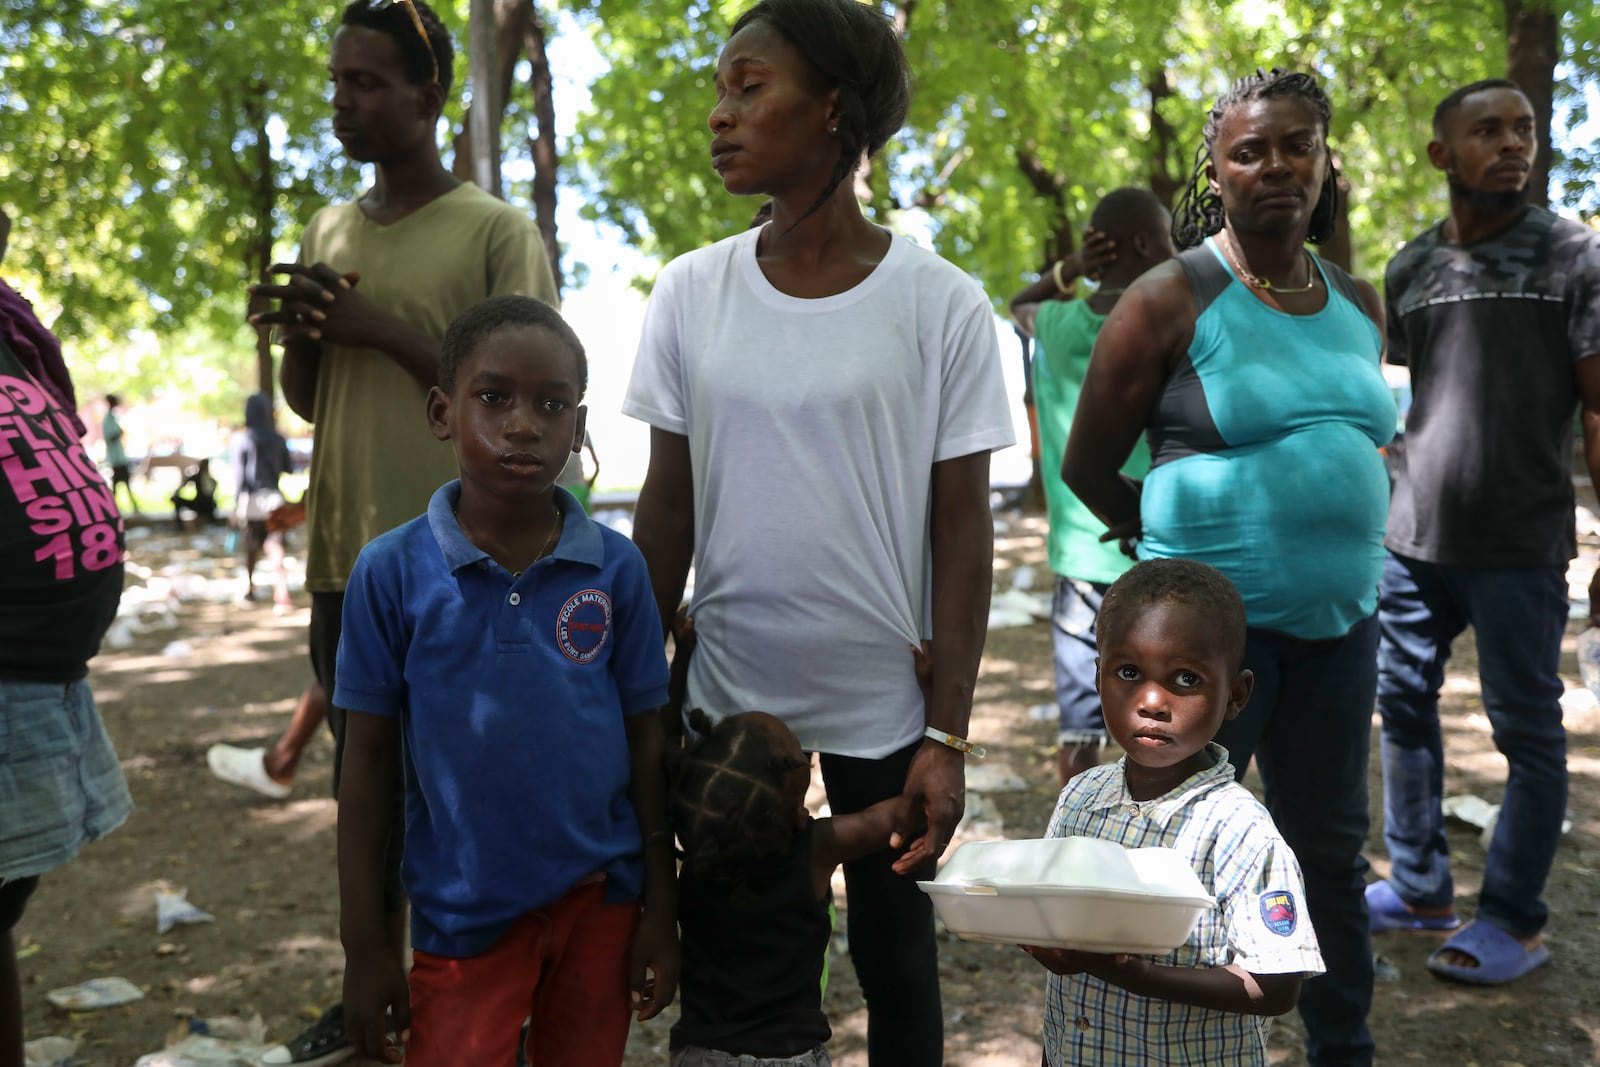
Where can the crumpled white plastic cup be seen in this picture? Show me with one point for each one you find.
(174, 908)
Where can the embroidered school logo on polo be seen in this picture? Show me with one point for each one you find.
(1278, 912)
(583, 625)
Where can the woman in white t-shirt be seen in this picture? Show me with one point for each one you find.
(823, 397)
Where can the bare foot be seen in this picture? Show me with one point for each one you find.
(1431, 913)
(1461, 959)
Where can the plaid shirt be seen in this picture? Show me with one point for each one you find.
(1257, 924)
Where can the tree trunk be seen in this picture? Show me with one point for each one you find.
(1533, 44)
(511, 23)
(1060, 242)
(902, 17)
(485, 117)
(872, 183)
(1047, 185)
(546, 158)
(258, 252)
(1167, 174)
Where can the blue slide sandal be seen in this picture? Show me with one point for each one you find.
(1501, 957)
(1387, 911)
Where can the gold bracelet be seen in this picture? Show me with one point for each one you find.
(1055, 272)
(960, 744)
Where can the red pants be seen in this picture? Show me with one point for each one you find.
(564, 966)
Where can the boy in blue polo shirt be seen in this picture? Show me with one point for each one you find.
(511, 646)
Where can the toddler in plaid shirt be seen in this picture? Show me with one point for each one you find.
(1171, 641)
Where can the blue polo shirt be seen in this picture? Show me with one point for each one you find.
(511, 694)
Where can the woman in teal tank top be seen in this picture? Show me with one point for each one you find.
(1253, 367)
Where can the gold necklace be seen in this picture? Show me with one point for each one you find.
(549, 537)
(1255, 281)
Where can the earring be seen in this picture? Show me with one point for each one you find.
(834, 129)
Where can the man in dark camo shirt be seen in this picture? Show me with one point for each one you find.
(1496, 311)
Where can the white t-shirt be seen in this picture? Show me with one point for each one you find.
(813, 429)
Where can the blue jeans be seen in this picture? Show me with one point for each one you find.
(1519, 616)
(1308, 724)
(1073, 613)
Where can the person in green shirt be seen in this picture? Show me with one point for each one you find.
(116, 452)
(1128, 234)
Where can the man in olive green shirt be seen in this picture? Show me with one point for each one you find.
(361, 315)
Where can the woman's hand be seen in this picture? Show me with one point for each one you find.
(1126, 534)
(934, 799)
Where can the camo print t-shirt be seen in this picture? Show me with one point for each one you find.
(1491, 331)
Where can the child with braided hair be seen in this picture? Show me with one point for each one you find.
(755, 898)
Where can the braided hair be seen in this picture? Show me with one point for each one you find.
(730, 808)
(392, 21)
(855, 49)
(1200, 213)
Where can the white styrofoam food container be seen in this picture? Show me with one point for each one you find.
(1071, 892)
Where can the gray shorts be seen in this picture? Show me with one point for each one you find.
(710, 1057)
(60, 783)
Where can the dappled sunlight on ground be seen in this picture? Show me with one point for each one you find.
(265, 869)
(301, 818)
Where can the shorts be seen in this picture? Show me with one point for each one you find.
(61, 785)
(120, 473)
(256, 504)
(1074, 612)
(710, 1057)
(563, 967)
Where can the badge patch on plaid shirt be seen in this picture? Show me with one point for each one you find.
(1278, 911)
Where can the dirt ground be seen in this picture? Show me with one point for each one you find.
(265, 869)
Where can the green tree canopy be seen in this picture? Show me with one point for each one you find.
(155, 155)
(1026, 112)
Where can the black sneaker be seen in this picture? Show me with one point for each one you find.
(323, 1043)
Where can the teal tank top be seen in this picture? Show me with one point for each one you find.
(1264, 452)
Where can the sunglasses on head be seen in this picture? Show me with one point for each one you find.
(416, 20)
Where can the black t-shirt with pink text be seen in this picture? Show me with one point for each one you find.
(61, 538)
